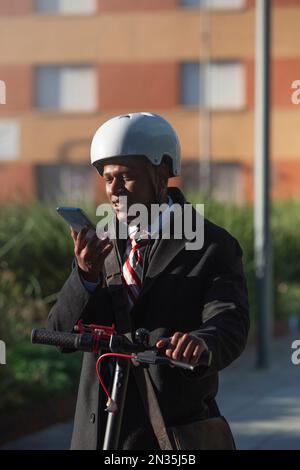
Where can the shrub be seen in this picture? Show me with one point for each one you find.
(36, 253)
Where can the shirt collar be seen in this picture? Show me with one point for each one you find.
(157, 225)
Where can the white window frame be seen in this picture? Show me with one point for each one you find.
(62, 78)
(10, 129)
(206, 79)
(210, 5)
(241, 87)
(63, 8)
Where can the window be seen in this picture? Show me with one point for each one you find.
(219, 85)
(190, 84)
(226, 179)
(67, 88)
(73, 7)
(9, 140)
(65, 183)
(214, 4)
(226, 85)
(191, 3)
(2, 92)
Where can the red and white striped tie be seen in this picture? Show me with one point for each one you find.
(133, 267)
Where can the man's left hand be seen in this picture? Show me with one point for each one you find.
(183, 347)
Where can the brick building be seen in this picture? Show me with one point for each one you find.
(68, 65)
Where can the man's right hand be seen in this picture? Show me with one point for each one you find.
(90, 254)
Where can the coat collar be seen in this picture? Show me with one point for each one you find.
(162, 253)
(164, 250)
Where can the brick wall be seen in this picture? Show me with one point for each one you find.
(134, 86)
(15, 7)
(19, 88)
(136, 5)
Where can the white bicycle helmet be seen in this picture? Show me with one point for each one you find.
(140, 134)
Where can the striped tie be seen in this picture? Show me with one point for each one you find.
(133, 267)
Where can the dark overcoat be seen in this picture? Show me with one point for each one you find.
(199, 291)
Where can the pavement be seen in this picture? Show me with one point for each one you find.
(261, 405)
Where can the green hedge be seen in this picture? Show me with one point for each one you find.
(34, 373)
(285, 232)
(36, 253)
(35, 259)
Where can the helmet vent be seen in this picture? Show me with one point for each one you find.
(125, 116)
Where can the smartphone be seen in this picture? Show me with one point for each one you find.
(77, 219)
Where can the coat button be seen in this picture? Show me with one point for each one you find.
(92, 417)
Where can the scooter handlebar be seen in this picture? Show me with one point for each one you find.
(92, 343)
(82, 342)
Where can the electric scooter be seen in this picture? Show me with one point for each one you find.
(97, 338)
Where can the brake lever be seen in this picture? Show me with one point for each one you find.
(205, 358)
(151, 356)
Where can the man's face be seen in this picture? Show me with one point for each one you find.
(128, 177)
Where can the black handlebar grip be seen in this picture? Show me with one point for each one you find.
(56, 338)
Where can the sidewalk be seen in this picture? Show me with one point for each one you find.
(56, 437)
(262, 406)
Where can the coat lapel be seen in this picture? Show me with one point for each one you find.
(163, 252)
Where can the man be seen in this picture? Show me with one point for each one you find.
(189, 299)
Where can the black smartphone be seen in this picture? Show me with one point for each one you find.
(76, 218)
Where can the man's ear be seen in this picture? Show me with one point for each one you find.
(159, 178)
(163, 172)
(162, 175)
